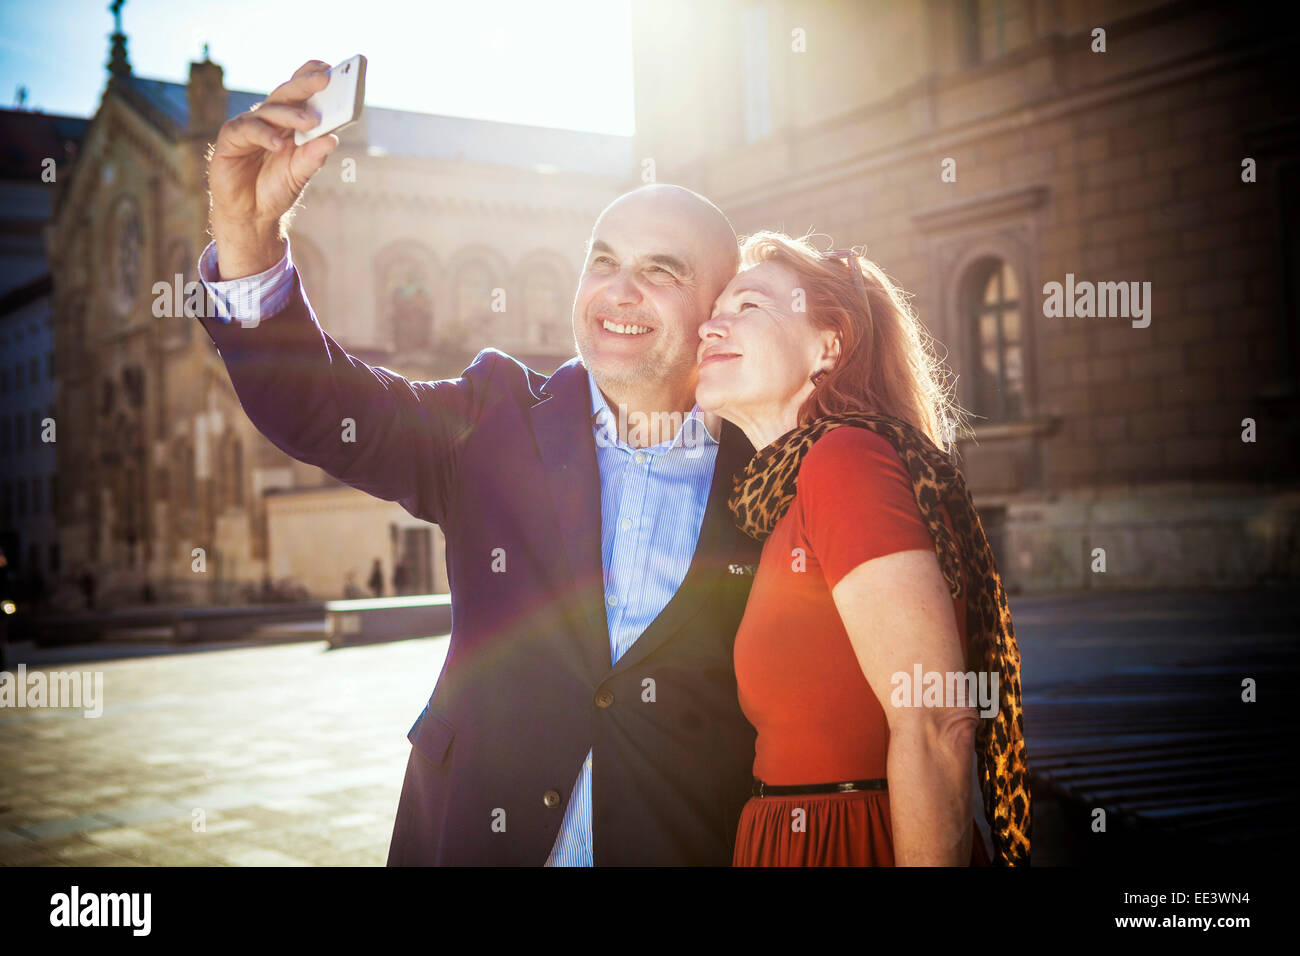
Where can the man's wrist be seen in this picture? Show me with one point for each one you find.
(248, 299)
(247, 250)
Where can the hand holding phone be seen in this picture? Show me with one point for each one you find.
(256, 173)
(340, 103)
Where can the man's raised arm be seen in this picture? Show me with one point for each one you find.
(256, 173)
(366, 426)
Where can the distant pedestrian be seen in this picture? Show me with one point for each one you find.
(376, 581)
(351, 591)
(399, 578)
(88, 588)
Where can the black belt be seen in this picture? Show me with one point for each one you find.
(762, 789)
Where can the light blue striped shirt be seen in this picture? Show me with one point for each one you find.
(652, 503)
(252, 298)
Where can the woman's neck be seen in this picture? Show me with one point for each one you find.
(764, 426)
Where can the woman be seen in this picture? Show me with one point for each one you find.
(823, 365)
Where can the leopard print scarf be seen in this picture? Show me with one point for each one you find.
(763, 493)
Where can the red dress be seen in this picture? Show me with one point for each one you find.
(799, 681)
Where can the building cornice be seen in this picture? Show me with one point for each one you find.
(981, 209)
(375, 198)
(920, 99)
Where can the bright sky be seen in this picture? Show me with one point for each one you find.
(565, 63)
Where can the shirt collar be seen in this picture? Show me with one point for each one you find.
(705, 426)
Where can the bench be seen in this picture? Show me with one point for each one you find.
(181, 625)
(1181, 765)
(371, 620)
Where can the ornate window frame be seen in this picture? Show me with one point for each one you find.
(124, 208)
(1001, 225)
(535, 262)
(426, 264)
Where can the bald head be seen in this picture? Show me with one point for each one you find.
(657, 259)
(716, 246)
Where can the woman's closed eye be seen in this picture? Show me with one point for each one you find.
(739, 308)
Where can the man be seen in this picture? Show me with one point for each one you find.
(586, 713)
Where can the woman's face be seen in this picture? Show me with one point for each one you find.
(758, 349)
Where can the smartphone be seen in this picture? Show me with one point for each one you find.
(340, 103)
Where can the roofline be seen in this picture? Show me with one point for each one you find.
(66, 116)
(391, 109)
(25, 294)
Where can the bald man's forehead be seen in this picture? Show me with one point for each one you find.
(642, 226)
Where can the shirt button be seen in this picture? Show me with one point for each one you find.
(627, 524)
(604, 699)
(640, 458)
(551, 798)
(612, 600)
(588, 763)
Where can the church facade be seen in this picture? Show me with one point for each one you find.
(1094, 209)
(424, 239)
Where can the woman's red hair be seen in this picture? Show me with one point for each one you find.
(887, 364)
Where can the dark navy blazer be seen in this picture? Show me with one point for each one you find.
(504, 458)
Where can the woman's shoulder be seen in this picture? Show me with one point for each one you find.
(857, 463)
(849, 451)
(856, 501)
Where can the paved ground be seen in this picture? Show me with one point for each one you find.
(295, 754)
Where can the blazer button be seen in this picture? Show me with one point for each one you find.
(551, 798)
(604, 699)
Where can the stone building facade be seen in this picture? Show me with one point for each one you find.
(981, 149)
(37, 147)
(423, 240)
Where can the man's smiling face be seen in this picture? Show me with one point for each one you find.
(657, 259)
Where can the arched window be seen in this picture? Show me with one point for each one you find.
(474, 293)
(125, 241)
(992, 310)
(409, 304)
(228, 484)
(130, 510)
(186, 485)
(991, 28)
(237, 473)
(544, 313)
(407, 288)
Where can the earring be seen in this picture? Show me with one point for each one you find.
(817, 376)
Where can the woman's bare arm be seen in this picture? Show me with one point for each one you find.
(898, 613)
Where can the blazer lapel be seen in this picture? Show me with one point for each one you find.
(562, 428)
(720, 544)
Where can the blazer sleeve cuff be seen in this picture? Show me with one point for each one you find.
(251, 299)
